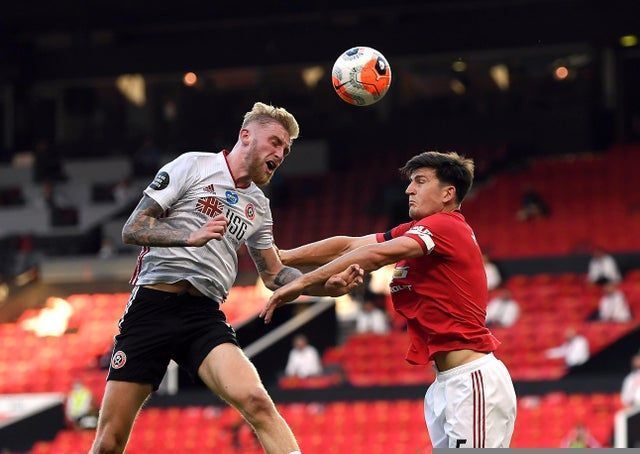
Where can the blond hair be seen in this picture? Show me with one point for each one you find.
(266, 113)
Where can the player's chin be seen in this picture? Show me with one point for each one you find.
(261, 178)
(265, 180)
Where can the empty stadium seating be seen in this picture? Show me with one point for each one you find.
(590, 203)
(588, 196)
(37, 364)
(339, 427)
(549, 304)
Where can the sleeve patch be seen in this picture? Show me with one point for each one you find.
(160, 182)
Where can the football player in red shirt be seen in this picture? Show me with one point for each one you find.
(440, 287)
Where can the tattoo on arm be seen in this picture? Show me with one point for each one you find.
(145, 229)
(286, 275)
(258, 259)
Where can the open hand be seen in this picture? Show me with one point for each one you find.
(336, 285)
(213, 229)
(281, 296)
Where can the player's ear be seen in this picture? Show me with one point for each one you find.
(449, 194)
(245, 136)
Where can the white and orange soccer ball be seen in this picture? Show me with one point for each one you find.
(361, 76)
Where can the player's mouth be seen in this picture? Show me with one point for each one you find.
(272, 166)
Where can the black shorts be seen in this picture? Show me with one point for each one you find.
(159, 326)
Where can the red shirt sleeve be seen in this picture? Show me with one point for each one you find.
(394, 232)
(414, 230)
(428, 232)
(436, 232)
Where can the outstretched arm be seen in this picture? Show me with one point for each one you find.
(323, 251)
(367, 258)
(275, 275)
(144, 228)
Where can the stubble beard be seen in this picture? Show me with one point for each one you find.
(255, 166)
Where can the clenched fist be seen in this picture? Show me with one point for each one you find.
(214, 229)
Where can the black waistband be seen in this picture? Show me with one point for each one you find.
(183, 296)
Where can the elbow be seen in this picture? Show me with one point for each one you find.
(271, 286)
(350, 244)
(269, 282)
(127, 236)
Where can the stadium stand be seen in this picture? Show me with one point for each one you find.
(30, 364)
(549, 304)
(338, 427)
(589, 201)
(524, 125)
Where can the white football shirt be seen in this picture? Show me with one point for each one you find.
(192, 189)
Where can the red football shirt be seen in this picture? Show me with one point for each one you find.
(443, 294)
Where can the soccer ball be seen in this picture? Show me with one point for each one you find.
(361, 76)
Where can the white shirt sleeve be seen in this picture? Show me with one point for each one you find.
(263, 237)
(577, 351)
(173, 180)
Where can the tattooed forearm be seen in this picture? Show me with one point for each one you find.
(286, 275)
(258, 259)
(145, 229)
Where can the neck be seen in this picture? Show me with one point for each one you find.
(238, 166)
(451, 207)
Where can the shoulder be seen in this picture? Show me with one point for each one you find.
(199, 156)
(441, 221)
(395, 232)
(193, 160)
(255, 194)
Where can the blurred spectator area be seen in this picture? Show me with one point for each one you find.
(549, 304)
(358, 427)
(90, 189)
(591, 200)
(47, 348)
(589, 196)
(31, 360)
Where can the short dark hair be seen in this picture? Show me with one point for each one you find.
(450, 168)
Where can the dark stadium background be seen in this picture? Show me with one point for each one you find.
(68, 116)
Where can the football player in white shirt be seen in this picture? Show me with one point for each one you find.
(182, 277)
